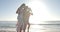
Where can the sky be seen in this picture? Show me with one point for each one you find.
(52, 9)
(8, 9)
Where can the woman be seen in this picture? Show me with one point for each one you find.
(20, 23)
(27, 13)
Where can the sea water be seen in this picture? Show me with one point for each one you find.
(47, 26)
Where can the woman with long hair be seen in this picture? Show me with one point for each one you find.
(20, 22)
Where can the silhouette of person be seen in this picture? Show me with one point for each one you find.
(20, 23)
(26, 15)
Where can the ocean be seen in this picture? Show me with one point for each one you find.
(46, 26)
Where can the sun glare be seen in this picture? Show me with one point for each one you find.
(39, 11)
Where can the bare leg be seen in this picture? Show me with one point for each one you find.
(28, 27)
(24, 30)
(20, 30)
(24, 27)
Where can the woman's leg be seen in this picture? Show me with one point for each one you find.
(24, 27)
(19, 28)
(28, 27)
(24, 30)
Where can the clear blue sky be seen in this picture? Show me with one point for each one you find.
(54, 8)
(9, 7)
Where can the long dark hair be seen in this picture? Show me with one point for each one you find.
(22, 5)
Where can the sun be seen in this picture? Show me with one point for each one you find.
(39, 12)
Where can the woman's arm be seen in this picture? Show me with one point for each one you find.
(30, 11)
